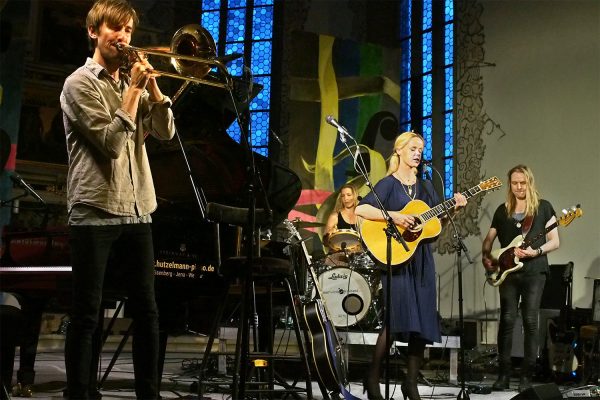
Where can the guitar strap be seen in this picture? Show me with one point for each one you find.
(347, 395)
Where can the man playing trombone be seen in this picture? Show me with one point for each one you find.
(110, 193)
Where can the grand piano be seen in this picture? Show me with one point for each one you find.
(184, 233)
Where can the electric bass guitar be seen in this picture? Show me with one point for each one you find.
(326, 351)
(427, 225)
(505, 260)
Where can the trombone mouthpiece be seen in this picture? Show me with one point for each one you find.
(120, 46)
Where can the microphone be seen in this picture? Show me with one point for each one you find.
(331, 121)
(427, 162)
(20, 182)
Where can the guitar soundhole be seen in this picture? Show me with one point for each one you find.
(413, 233)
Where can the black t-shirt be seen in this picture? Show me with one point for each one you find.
(342, 224)
(507, 230)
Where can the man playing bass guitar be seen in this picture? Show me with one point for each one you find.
(523, 214)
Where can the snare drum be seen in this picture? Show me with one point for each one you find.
(346, 294)
(350, 237)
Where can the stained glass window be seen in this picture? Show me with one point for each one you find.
(228, 23)
(427, 91)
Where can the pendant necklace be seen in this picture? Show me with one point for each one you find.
(409, 191)
(518, 218)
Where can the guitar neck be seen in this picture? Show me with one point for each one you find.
(310, 268)
(448, 204)
(529, 242)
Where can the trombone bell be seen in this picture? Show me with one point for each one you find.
(193, 40)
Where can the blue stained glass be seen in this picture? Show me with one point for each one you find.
(261, 58)
(427, 135)
(235, 67)
(405, 59)
(405, 104)
(237, 3)
(263, 151)
(406, 19)
(427, 52)
(405, 127)
(449, 44)
(427, 95)
(449, 95)
(208, 5)
(259, 122)
(448, 135)
(236, 28)
(449, 10)
(262, 101)
(427, 15)
(449, 175)
(262, 23)
(210, 22)
(263, 3)
(234, 132)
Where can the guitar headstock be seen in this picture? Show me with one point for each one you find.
(291, 228)
(490, 184)
(569, 215)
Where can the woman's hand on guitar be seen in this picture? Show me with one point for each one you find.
(403, 220)
(461, 201)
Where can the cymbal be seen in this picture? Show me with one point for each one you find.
(307, 224)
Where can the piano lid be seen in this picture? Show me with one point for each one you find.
(218, 163)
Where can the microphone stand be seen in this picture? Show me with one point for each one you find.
(459, 246)
(391, 231)
(242, 347)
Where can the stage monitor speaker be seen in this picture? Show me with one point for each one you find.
(547, 391)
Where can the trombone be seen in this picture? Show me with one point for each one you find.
(193, 54)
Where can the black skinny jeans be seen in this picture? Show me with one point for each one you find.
(90, 249)
(529, 289)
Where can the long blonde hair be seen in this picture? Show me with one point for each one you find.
(339, 206)
(532, 201)
(401, 141)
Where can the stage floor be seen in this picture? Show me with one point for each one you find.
(180, 376)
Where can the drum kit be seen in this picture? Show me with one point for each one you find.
(350, 283)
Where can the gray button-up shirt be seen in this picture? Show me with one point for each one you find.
(108, 164)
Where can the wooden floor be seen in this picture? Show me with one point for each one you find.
(180, 382)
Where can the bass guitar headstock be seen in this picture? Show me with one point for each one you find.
(569, 215)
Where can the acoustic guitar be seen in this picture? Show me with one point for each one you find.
(427, 225)
(326, 351)
(505, 260)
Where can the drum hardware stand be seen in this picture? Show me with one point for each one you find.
(459, 246)
(391, 231)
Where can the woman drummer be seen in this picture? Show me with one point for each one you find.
(343, 216)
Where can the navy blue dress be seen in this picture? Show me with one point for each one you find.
(413, 310)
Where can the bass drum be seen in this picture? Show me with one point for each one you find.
(346, 294)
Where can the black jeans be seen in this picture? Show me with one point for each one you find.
(90, 249)
(529, 289)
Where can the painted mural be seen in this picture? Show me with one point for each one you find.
(357, 84)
